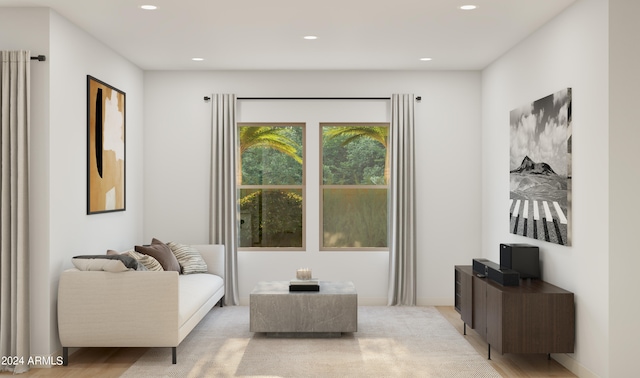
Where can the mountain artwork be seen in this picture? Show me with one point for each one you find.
(540, 169)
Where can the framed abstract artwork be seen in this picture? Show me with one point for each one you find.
(106, 107)
(540, 169)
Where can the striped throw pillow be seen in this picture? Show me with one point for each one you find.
(147, 261)
(189, 258)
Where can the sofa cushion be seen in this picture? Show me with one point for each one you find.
(189, 258)
(107, 263)
(160, 252)
(194, 290)
(145, 260)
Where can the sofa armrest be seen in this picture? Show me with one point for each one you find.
(127, 309)
(214, 256)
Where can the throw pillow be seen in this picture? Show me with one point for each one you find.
(189, 258)
(145, 261)
(107, 263)
(161, 252)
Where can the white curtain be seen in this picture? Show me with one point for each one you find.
(224, 205)
(402, 193)
(14, 221)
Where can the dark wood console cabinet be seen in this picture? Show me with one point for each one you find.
(534, 317)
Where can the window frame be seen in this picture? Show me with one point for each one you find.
(322, 187)
(301, 187)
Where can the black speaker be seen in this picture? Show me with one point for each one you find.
(480, 266)
(494, 272)
(506, 277)
(523, 258)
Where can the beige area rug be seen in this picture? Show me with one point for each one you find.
(390, 342)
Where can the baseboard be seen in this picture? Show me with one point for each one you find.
(435, 301)
(573, 366)
(372, 301)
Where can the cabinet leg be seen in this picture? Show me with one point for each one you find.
(488, 351)
(465, 329)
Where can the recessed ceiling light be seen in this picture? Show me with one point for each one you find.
(197, 59)
(425, 59)
(148, 7)
(310, 37)
(468, 7)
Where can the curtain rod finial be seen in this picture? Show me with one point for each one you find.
(207, 98)
(418, 98)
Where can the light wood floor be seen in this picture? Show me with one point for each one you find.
(112, 362)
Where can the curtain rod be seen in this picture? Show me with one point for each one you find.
(313, 98)
(207, 98)
(39, 58)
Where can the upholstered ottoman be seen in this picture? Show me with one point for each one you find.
(328, 312)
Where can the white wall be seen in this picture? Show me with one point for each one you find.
(177, 139)
(624, 186)
(570, 51)
(60, 227)
(74, 55)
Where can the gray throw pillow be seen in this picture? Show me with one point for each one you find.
(145, 262)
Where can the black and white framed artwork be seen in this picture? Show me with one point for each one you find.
(540, 169)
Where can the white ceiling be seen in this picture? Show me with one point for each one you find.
(267, 34)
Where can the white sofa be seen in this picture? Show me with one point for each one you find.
(137, 308)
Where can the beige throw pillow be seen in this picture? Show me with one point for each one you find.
(189, 258)
(106, 263)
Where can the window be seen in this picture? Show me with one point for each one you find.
(271, 190)
(354, 186)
